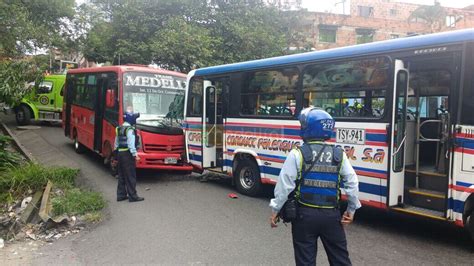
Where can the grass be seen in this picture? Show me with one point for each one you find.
(7, 158)
(78, 202)
(20, 180)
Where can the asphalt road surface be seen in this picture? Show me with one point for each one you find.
(184, 221)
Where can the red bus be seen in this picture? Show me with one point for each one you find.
(95, 99)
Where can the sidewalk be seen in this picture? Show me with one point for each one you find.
(39, 148)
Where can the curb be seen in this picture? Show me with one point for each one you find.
(17, 143)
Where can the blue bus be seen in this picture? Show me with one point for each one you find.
(403, 109)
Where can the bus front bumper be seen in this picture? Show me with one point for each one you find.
(162, 162)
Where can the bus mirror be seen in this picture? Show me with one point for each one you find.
(110, 98)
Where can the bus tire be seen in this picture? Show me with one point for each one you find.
(470, 224)
(113, 165)
(78, 147)
(23, 115)
(247, 177)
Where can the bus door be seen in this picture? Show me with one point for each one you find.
(102, 85)
(69, 86)
(398, 135)
(209, 125)
(215, 107)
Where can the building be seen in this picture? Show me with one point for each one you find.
(286, 5)
(376, 20)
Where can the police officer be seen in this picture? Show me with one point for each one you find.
(127, 155)
(316, 169)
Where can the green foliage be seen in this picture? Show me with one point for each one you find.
(14, 75)
(25, 25)
(16, 181)
(77, 202)
(184, 34)
(7, 158)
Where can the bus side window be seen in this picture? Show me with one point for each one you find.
(270, 92)
(111, 114)
(195, 98)
(348, 89)
(468, 92)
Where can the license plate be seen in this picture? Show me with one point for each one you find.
(350, 135)
(171, 160)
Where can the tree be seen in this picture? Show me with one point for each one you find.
(434, 16)
(14, 75)
(26, 26)
(183, 46)
(182, 34)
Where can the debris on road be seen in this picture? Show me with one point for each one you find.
(2, 243)
(233, 196)
(147, 188)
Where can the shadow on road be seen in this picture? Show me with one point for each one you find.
(385, 223)
(389, 223)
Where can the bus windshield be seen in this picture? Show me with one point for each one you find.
(156, 97)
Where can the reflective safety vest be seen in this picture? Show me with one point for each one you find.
(319, 179)
(122, 137)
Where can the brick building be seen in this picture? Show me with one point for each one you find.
(376, 20)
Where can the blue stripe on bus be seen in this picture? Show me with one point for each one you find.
(369, 170)
(373, 189)
(374, 137)
(192, 126)
(464, 184)
(344, 52)
(283, 158)
(264, 155)
(195, 157)
(467, 144)
(363, 187)
(456, 205)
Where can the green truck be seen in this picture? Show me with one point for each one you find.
(44, 102)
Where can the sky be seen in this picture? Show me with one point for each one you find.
(332, 6)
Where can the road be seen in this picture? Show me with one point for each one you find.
(184, 221)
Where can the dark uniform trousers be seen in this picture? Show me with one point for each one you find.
(127, 178)
(313, 223)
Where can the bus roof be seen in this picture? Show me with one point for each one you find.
(348, 51)
(125, 68)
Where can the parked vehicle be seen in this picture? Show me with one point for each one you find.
(44, 102)
(95, 100)
(403, 110)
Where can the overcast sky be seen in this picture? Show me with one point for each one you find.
(332, 6)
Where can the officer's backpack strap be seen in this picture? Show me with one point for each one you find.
(337, 154)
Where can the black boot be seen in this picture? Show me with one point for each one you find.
(136, 198)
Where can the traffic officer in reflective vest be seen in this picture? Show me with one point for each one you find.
(315, 172)
(125, 146)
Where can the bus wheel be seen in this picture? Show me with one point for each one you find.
(470, 224)
(247, 178)
(23, 115)
(113, 165)
(78, 147)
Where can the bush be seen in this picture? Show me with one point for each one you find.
(77, 202)
(17, 181)
(7, 158)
